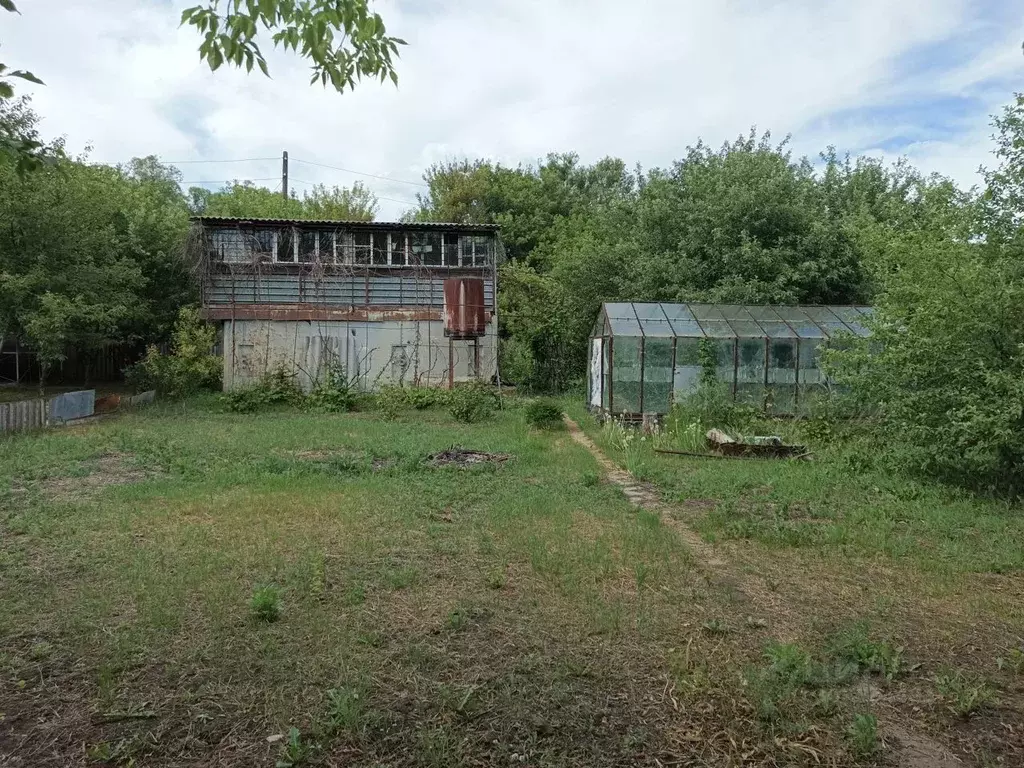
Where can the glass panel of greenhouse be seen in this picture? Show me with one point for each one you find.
(646, 356)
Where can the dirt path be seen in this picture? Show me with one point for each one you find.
(918, 750)
(709, 560)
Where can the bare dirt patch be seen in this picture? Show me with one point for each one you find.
(108, 470)
(463, 457)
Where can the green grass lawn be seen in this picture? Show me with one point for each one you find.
(182, 586)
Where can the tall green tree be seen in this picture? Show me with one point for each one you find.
(246, 200)
(88, 253)
(944, 369)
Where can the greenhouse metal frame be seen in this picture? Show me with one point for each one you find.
(646, 356)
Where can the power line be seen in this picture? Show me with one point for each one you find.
(228, 181)
(240, 160)
(361, 173)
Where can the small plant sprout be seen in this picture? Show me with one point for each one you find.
(295, 751)
(715, 627)
(964, 695)
(345, 707)
(862, 736)
(1013, 661)
(265, 603)
(854, 645)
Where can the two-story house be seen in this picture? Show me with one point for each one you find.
(391, 303)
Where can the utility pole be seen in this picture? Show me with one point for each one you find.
(284, 174)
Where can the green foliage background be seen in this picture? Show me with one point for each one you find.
(90, 256)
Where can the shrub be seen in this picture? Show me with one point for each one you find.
(471, 402)
(389, 401)
(191, 366)
(333, 393)
(944, 366)
(265, 603)
(544, 413)
(421, 398)
(276, 388)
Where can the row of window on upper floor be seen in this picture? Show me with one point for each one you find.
(293, 245)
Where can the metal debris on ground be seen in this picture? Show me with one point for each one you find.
(462, 457)
(767, 446)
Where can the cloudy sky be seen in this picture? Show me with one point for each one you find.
(512, 80)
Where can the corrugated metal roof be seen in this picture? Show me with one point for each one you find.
(696, 320)
(393, 225)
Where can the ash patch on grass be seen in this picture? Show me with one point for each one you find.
(463, 457)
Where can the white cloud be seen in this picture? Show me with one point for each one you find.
(514, 79)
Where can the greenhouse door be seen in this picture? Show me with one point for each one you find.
(596, 381)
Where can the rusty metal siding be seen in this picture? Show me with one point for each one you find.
(464, 308)
(345, 291)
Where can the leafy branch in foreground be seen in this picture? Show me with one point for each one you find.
(24, 149)
(342, 39)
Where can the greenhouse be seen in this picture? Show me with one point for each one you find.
(644, 357)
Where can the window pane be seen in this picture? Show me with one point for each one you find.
(657, 375)
(706, 312)
(750, 374)
(677, 312)
(615, 309)
(285, 246)
(624, 326)
(649, 311)
(717, 328)
(362, 245)
(466, 250)
(307, 247)
(426, 248)
(657, 328)
(451, 250)
(260, 242)
(481, 251)
(686, 377)
(778, 330)
(379, 248)
(626, 375)
(687, 328)
(782, 375)
(397, 249)
(747, 329)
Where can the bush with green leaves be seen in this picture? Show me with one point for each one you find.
(944, 367)
(189, 368)
(390, 401)
(471, 402)
(544, 413)
(277, 388)
(422, 398)
(333, 392)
